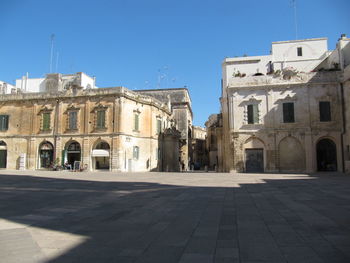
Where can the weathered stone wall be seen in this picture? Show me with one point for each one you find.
(25, 133)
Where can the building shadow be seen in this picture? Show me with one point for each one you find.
(151, 222)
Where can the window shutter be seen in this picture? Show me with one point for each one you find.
(46, 121)
(101, 119)
(256, 113)
(250, 114)
(288, 112)
(136, 122)
(325, 110)
(73, 120)
(159, 126)
(4, 122)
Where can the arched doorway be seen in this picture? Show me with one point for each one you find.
(73, 153)
(3, 154)
(326, 155)
(45, 154)
(292, 155)
(254, 155)
(100, 156)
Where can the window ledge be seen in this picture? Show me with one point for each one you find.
(45, 131)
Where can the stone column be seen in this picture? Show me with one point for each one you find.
(309, 152)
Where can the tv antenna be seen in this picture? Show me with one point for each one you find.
(51, 56)
(294, 5)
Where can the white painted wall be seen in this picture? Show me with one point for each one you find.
(38, 84)
(5, 88)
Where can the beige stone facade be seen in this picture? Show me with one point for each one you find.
(107, 128)
(287, 120)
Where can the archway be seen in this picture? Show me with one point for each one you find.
(100, 156)
(73, 153)
(46, 154)
(292, 155)
(326, 155)
(3, 154)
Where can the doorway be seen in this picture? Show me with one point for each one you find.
(100, 156)
(254, 160)
(3, 154)
(73, 153)
(326, 155)
(46, 155)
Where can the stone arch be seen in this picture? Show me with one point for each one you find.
(46, 152)
(100, 155)
(3, 154)
(254, 152)
(326, 152)
(291, 155)
(72, 152)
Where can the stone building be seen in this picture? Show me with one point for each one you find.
(214, 145)
(197, 151)
(179, 101)
(100, 129)
(284, 112)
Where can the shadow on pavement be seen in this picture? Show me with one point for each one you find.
(277, 221)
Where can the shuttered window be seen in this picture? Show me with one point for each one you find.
(253, 114)
(325, 111)
(159, 126)
(288, 112)
(136, 122)
(73, 120)
(46, 121)
(101, 115)
(4, 122)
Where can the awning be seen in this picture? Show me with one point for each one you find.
(100, 153)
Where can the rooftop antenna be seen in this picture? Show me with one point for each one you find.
(51, 57)
(294, 5)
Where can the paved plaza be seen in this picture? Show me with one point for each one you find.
(173, 217)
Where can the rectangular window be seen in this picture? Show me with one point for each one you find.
(253, 114)
(136, 151)
(4, 122)
(46, 121)
(325, 110)
(73, 120)
(300, 51)
(136, 122)
(288, 112)
(159, 126)
(101, 115)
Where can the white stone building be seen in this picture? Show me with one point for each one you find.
(284, 112)
(6, 88)
(54, 81)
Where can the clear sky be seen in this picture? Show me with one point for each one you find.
(143, 44)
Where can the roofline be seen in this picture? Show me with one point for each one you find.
(299, 40)
(136, 90)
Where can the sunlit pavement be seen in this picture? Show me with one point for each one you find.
(173, 217)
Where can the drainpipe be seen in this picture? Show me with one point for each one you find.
(344, 124)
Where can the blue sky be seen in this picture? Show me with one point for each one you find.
(135, 43)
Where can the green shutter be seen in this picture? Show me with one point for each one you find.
(255, 113)
(325, 110)
(101, 119)
(288, 112)
(4, 122)
(72, 120)
(46, 121)
(136, 122)
(159, 126)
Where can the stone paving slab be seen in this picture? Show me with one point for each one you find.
(173, 217)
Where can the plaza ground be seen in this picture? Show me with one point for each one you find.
(173, 217)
